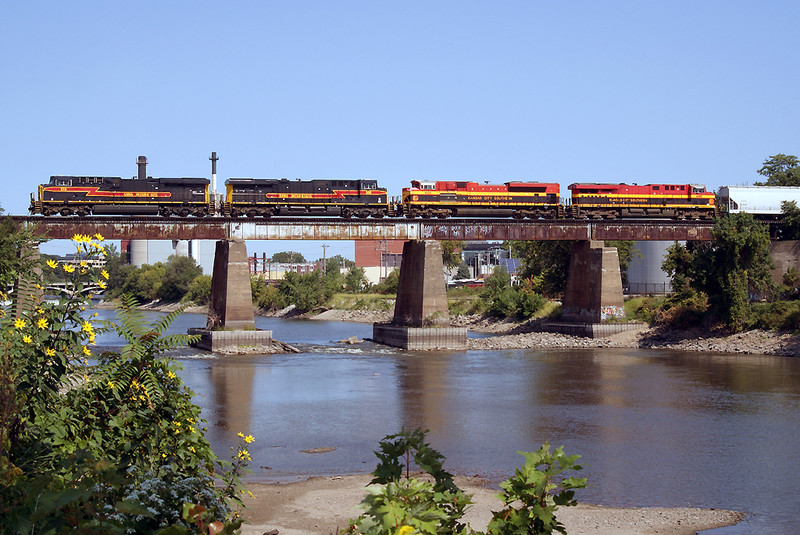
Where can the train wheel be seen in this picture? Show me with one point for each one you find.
(346, 213)
(516, 214)
(252, 213)
(183, 212)
(164, 211)
(65, 211)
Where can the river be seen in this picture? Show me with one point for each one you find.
(653, 427)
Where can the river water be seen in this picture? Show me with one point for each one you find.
(653, 427)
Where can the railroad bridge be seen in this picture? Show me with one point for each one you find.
(594, 287)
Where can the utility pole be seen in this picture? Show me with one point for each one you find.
(324, 268)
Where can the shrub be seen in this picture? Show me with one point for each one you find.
(405, 504)
(113, 447)
(199, 291)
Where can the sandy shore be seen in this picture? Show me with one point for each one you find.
(321, 506)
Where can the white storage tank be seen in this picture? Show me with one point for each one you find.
(645, 275)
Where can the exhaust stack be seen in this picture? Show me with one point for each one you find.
(141, 162)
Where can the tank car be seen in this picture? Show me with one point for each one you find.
(85, 195)
(451, 198)
(265, 197)
(609, 201)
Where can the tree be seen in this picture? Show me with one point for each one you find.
(780, 170)
(546, 263)
(355, 280)
(305, 292)
(790, 229)
(179, 272)
(729, 269)
(451, 253)
(463, 271)
(288, 257)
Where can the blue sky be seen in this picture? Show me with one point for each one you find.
(684, 91)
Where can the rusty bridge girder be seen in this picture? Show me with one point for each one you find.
(215, 228)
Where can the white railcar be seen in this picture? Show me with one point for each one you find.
(762, 201)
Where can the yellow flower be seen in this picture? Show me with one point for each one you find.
(102, 284)
(83, 263)
(27, 339)
(104, 273)
(244, 455)
(94, 315)
(19, 323)
(111, 385)
(191, 448)
(405, 530)
(250, 494)
(3, 296)
(99, 237)
(42, 323)
(240, 435)
(80, 238)
(171, 375)
(69, 268)
(249, 439)
(86, 351)
(87, 327)
(52, 263)
(50, 352)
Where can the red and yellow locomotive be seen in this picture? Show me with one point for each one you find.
(608, 201)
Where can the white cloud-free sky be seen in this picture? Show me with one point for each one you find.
(612, 91)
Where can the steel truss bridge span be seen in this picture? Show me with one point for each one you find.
(319, 228)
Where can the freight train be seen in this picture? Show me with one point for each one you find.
(361, 198)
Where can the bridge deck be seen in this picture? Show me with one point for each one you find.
(319, 228)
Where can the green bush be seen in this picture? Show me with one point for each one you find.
(403, 504)
(265, 295)
(779, 315)
(79, 442)
(199, 291)
(389, 284)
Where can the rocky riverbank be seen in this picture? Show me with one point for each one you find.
(528, 335)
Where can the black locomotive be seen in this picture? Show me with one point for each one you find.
(265, 197)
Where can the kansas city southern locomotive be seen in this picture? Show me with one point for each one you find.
(362, 198)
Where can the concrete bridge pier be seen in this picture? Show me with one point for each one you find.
(421, 315)
(594, 284)
(231, 321)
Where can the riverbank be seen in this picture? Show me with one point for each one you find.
(323, 505)
(511, 334)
